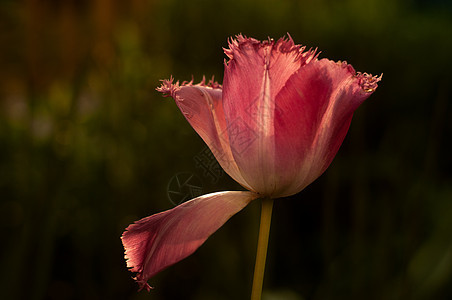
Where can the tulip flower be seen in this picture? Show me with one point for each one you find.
(274, 126)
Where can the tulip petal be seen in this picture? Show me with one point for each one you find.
(159, 241)
(254, 75)
(315, 109)
(202, 106)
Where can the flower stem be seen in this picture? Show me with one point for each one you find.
(262, 244)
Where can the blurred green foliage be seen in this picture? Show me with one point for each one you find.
(87, 146)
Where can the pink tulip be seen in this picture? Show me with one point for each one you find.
(274, 126)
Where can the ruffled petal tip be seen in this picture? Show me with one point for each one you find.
(283, 45)
(368, 82)
(142, 284)
(169, 88)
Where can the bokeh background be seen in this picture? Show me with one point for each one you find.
(88, 146)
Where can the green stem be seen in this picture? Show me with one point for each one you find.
(262, 244)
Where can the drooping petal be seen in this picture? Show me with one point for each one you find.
(254, 75)
(202, 106)
(156, 242)
(315, 109)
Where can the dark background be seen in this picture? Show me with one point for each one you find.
(87, 146)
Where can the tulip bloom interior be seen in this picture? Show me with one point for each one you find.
(274, 126)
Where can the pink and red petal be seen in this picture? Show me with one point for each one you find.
(159, 241)
(202, 106)
(254, 75)
(314, 113)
